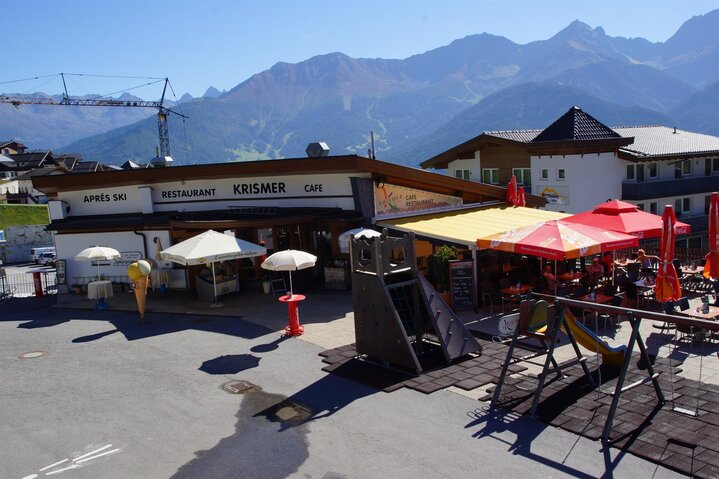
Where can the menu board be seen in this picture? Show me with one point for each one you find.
(462, 284)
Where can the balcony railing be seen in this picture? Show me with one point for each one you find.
(665, 188)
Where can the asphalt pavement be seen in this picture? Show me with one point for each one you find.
(95, 394)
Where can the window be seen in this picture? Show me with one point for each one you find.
(711, 166)
(654, 208)
(561, 174)
(5, 151)
(490, 176)
(640, 206)
(707, 202)
(524, 176)
(652, 170)
(544, 174)
(463, 174)
(682, 168)
(2, 234)
(630, 172)
(682, 206)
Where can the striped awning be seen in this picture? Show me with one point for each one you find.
(466, 225)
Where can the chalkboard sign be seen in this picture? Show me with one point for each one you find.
(462, 284)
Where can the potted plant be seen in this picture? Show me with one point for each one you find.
(77, 288)
(442, 256)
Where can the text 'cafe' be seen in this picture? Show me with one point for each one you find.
(302, 203)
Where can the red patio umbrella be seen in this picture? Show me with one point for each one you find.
(512, 191)
(626, 218)
(667, 286)
(557, 239)
(521, 201)
(711, 268)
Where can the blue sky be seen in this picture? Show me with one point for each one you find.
(221, 43)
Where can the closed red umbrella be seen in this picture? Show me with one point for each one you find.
(512, 191)
(711, 268)
(667, 286)
(521, 201)
(626, 218)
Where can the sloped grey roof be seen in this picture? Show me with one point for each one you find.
(665, 141)
(515, 135)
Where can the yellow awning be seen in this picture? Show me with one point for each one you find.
(465, 226)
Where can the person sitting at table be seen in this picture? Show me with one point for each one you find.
(550, 280)
(594, 273)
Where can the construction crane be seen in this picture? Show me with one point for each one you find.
(162, 110)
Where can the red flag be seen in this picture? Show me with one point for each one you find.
(512, 191)
(713, 257)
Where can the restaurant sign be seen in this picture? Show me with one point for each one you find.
(393, 199)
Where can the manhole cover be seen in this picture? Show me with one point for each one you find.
(288, 412)
(239, 387)
(33, 355)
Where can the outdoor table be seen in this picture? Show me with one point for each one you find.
(599, 299)
(695, 270)
(508, 294)
(293, 328)
(694, 311)
(570, 277)
(596, 298)
(100, 290)
(513, 290)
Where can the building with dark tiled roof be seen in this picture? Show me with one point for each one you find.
(577, 162)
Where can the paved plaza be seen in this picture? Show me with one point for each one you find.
(220, 392)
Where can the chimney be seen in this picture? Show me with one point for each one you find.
(317, 150)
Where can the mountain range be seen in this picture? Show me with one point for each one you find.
(424, 104)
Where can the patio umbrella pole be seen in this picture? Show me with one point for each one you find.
(214, 283)
(290, 272)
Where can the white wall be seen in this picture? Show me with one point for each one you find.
(130, 245)
(589, 179)
(469, 164)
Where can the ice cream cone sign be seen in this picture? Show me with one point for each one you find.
(139, 273)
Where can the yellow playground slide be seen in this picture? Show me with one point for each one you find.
(590, 341)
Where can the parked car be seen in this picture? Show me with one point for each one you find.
(47, 259)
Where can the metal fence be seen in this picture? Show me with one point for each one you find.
(22, 285)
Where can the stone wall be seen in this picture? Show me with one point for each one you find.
(19, 240)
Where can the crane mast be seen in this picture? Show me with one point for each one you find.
(162, 111)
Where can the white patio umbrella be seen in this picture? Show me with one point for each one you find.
(289, 260)
(211, 247)
(97, 253)
(344, 238)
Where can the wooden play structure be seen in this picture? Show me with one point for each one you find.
(400, 320)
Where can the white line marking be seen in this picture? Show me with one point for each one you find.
(31, 476)
(74, 466)
(95, 457)
(53, 465)
(77, 459)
